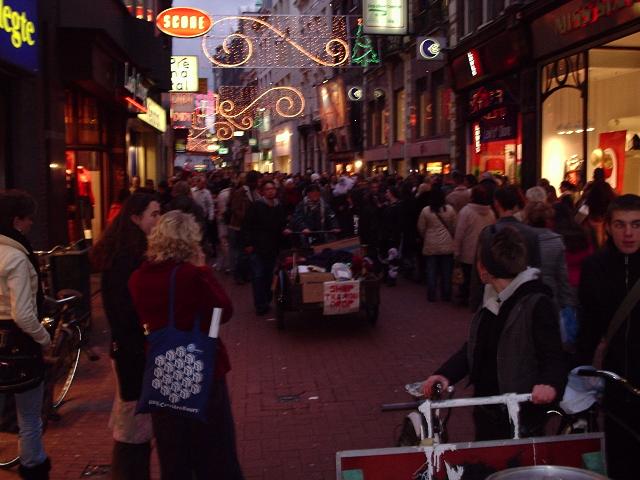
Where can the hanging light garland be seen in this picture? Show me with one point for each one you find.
(289, 41)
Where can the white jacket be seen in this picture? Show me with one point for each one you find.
(18, 288)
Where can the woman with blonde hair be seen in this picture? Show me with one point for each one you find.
(187, 448)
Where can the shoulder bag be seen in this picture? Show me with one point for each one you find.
(179, 368)
(21, 363)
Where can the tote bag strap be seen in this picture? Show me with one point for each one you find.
(172, 302)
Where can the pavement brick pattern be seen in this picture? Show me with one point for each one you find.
(299, 395)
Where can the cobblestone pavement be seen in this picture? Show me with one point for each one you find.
(299, 395)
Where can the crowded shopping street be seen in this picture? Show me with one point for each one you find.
(328, 239)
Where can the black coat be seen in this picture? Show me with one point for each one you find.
(127, 336)
(262, 228)
(606, 277)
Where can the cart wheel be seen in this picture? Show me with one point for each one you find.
(372, 312)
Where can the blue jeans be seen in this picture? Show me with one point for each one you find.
(439, 268)
(261, 279)
(29, 416)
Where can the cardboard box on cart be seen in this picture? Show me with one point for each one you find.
(313, 286)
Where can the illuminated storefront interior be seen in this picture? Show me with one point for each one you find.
(591, 115)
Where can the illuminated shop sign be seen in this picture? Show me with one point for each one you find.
(474, 63)
(184, 22)
(134, 83)
(587, 14)
(430, 48)
(184, 73)
(355, 94)
(19, 33)
(156, 116)
(387, 17)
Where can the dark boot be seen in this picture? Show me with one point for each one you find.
(39, 472)
(130, 461)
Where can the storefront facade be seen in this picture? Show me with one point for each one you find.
(588, 60)
(490, 82)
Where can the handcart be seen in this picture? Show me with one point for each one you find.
(302, 287)
(432, 460)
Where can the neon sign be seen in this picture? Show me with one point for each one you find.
(184, 22)
(18, 35)
(588, 14)
(474, 63)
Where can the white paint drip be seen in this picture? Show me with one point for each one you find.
(454, 473)
(434, 457)
(513, 407)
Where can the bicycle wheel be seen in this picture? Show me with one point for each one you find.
(68, 348)
(9, 454)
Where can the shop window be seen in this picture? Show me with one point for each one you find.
(69, 119)
(613, 130)
(472, 15)
(493, 8)
(440, 108)
(378, 123)
(425, 109)
(564, 90)
(400, 110)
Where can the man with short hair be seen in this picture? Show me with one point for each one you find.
(262, 231)
(460, 195)
(607, 278)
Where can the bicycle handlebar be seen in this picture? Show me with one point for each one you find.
(611, 377)
(71, 246)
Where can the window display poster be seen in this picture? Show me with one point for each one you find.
(610, 156)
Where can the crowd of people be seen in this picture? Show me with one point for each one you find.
(545, 272)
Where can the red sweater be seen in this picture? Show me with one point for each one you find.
(197, 292)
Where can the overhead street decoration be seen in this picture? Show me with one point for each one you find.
(279, 41)
(364, 52)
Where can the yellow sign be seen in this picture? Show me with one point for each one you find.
(17, 25)
(184, 73)
(156, 116)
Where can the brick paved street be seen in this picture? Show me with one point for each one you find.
(333, 375)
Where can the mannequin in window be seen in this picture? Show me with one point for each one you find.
(86, 200)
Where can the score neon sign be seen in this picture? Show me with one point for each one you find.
(184, 22)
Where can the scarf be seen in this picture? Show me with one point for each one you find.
(16, 235)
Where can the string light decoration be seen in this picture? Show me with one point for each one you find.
(363, 52)
(278, 41)
(288, 102)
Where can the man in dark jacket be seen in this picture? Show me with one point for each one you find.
(262, 232)
(514, 344)
(606, 279)
(314, 218)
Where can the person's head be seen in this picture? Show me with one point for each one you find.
(17, 209)
(268, 190)
(470, 180)
(538, 214)
(544, 183)
(127, 234)
(480, 195)
(392, 194)
(176, 237)
(457, 177)
(135, 182)
(567, 186)
(374, 187)
(149, 184)
(314, 192)
(536, 194)
(502, 254)
(598, 174)
(180, 189)
(163, 186)
(201, 182)
(252, 179)
(436, 198)
(623, 223)
(507, 199)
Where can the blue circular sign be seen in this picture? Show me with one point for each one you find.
(430, 48)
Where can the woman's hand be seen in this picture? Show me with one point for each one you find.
(543, 394)
(432, 381)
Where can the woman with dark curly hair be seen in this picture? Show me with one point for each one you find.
(117, 254)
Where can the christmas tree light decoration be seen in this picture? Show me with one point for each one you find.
(278, 41)
(363, 52)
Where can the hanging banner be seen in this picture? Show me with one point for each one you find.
(385, 17)
(610, 156)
